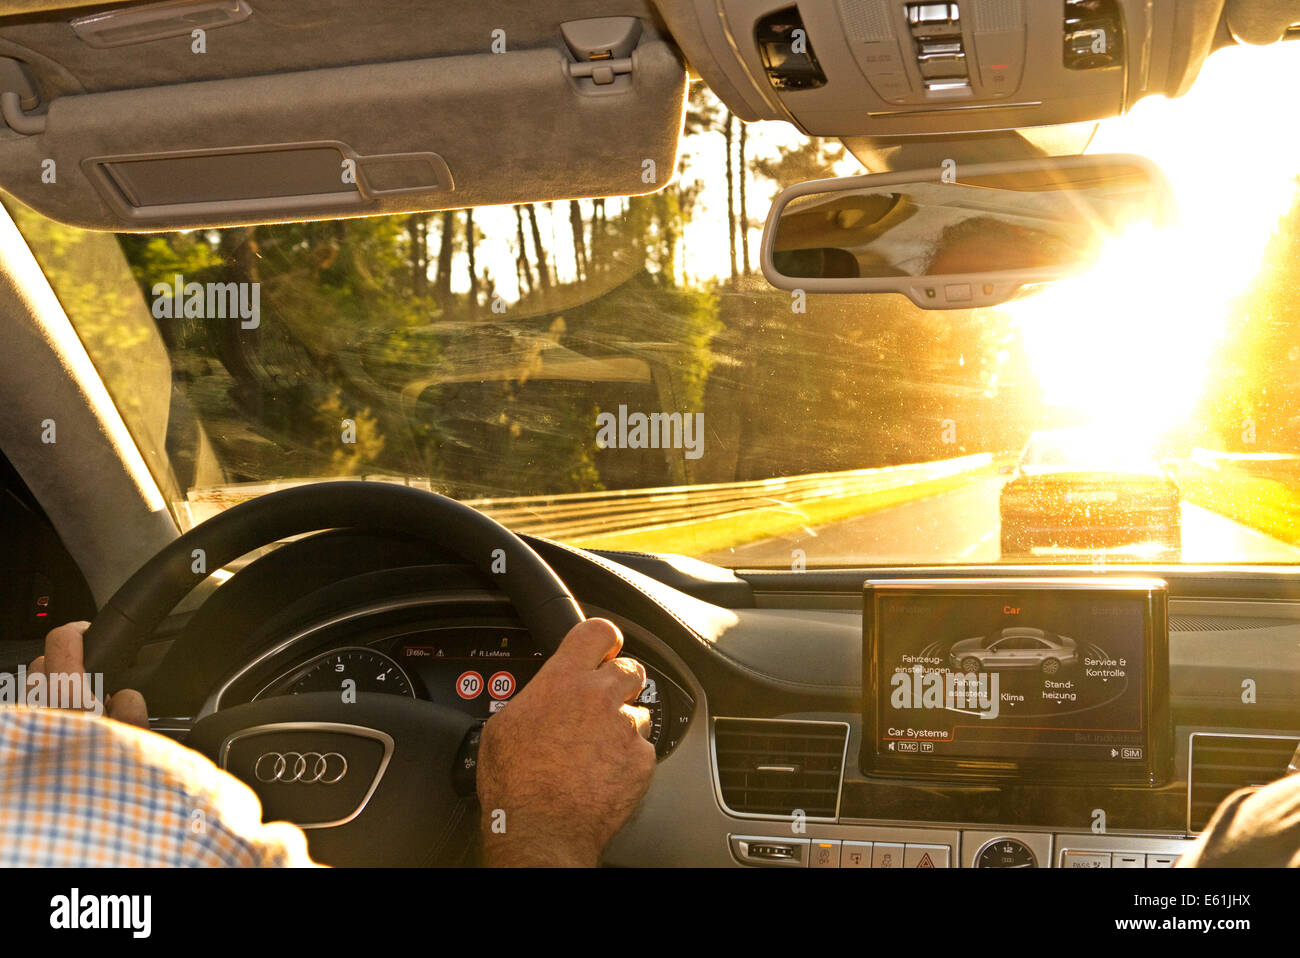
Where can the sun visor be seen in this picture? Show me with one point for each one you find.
(447, 133)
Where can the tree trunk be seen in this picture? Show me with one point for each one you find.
(731, 197)
(521, 261)
(579, 243)
(417, 230)
(543, 271)
(445, 250)
(744, 213)
(473, 268)
(238, 248)
(595, 260)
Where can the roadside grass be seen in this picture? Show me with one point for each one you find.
(701, 536)
(1268, 505)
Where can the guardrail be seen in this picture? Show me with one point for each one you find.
(574, 515)
(1266, 465)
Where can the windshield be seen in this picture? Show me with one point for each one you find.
(616, 373)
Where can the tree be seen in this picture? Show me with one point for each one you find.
(814, 161)
(543, 271)
(579, 243)
(238, 247)
(731, 196)
(524, 268)
(471, 240)
(597, 233)
(743, 166)
(703, 111)
(417, 228)
(446, 248)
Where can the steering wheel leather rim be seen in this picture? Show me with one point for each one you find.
(543, 602)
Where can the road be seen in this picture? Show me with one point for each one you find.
(962, 526)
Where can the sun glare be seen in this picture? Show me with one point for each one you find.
(1126, 346)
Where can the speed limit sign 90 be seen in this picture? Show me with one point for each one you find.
(501, 685)
(469, 685)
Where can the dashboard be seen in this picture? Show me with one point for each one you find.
(765, 687)
(1224, 645)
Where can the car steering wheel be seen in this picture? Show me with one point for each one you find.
(369, 776)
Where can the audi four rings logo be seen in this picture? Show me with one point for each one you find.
(309, 768)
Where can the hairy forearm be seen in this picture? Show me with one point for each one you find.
(535, 851)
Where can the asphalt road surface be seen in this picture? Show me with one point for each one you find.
(962, 527)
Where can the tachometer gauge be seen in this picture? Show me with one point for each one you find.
(367, 670)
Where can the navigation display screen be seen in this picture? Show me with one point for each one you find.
(994, 677)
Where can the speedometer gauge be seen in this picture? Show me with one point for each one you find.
(365, 669)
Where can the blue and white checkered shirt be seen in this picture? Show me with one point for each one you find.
(77, 790)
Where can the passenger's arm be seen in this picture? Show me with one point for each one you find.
(1253, 828)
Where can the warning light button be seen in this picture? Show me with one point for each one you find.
(926, 856)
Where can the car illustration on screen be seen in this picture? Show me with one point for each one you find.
(1015, 647)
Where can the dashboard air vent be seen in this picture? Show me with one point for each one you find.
(1221, 764)
(777, 767)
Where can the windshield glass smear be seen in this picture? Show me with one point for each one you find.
(616, 374)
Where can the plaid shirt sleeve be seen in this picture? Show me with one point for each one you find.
(81, 791)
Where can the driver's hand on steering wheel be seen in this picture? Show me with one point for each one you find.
(68, 685)
(564, 766)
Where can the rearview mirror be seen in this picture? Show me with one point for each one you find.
(954, 237)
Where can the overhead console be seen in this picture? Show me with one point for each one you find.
(893, 67)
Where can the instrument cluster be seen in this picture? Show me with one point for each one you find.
(475, 669)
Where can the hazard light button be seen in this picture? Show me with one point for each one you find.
(926, 856)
